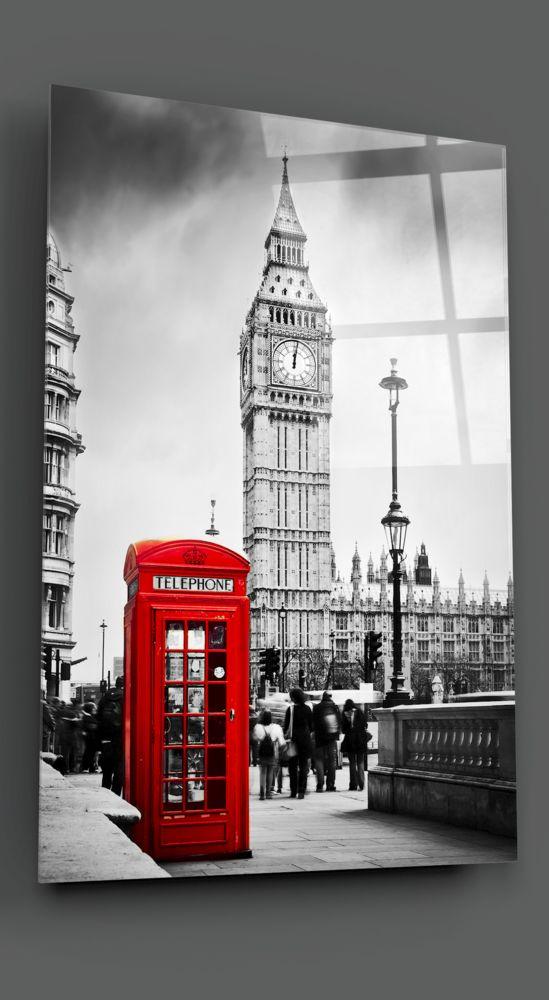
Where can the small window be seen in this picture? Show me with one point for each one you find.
(50, 305)
(290, 281)
(277, 277)
(302, 283)
(284, 291)
(52, 279)
(299, 295)
(310, 295)
(271, 289)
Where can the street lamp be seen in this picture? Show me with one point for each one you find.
(395, 523)
(103, 626)
(282, 629)
(331, 671)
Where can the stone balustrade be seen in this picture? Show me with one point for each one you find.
(452, 762)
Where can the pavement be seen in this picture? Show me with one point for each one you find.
(80, 833)
(335, 831)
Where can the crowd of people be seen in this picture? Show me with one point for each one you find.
(308, 738)
(87, 737)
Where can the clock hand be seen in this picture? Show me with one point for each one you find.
(295, 355)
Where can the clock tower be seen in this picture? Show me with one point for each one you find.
(286, 399)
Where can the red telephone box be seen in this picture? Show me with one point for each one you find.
(186, 641)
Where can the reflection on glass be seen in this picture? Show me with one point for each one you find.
(217, 666)
(195, 762)
(173, 762)
(195, 730)
(216, 729)
(173, 729)
(216, 698)
(174, 635)
(216, 794)
(195, 794)
(173, 795)
(195, 667)
(195, 699)
(217, 635)
(216, 762)
(197, 635)
(174, 666)
(173, 699)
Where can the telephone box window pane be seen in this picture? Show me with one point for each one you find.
(216, 698)
(173, 796)
(216, 762)
(173, 729)
(217, 635)
(197, 635)
(195, 762)
(216, 795)
(174, 635)
(173, 701)
(195, 795)
(195, 699)
(174, 666)
(195, 667)
(216, 729)
(173, 763)
(217, 666)
(195, 730)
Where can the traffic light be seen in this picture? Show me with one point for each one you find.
(45, 660)
(262, 661)
(367, 657)
(375, 642)
(301, 678)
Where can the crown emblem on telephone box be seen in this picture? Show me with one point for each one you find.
(194, 556)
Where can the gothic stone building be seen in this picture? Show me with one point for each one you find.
(286, 402)
(463, 634)
(62, 443)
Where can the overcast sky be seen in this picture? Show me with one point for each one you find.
(162, 209)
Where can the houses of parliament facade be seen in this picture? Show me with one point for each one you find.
(297, 597)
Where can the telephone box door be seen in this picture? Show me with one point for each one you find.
(195, 732)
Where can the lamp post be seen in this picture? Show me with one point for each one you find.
(103, 626)
(331, 671)
(282, 629)
(395, 523)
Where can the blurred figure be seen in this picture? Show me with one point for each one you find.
(270, 740)
(355, 743)
(298, 725)
(109, 734)
(71, 743)
(327, 726)
(89, 732)
(254, 719)
(48, 725)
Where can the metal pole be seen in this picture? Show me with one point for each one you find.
(397, 678)
(283, 650)
(394, 450)
(103, 626)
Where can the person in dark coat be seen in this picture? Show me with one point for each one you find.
(89, 730)
(327, 727)
(109, 730)
(48, 725)
(298, 726)
(355, 743)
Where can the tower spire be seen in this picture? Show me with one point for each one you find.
(286, 222)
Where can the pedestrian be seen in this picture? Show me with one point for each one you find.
(355, 743)
(270, 740)
(327, 727)
(89, 730)
(48, 725)
(109, 732)
(253, 720)
(71, 744)
(298, 725)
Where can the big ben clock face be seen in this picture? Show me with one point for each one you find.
(294, 363)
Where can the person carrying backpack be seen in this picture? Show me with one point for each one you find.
(327, 727)
(270, 740)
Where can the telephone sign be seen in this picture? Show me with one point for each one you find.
(186, 641)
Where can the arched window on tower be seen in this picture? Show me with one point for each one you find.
(313, 321)
(285, 315)
(306, 318)
(271, 289)
(278, 318)
(278, 251)
(299, 319)
(292, 317)
(271, 313)
(283, 253)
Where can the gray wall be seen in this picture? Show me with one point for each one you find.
(462, 69)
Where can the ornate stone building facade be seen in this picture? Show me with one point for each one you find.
(286, 401)
(464, 634)
(62, 444)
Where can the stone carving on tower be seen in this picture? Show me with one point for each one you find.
(286, 404)
(62, 444)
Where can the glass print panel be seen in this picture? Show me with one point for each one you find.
(173, 795)
(174, 666)
(173, 699)
(195, 699)
(217, 697)
(195, 730)
(195, 794)
(217, 635)
(173, 762)
(173, 729)
(216, 729)
(195, 762)
(195, 667)
(217, 666)
(196, 635)
(216, 795)
(216, 762)
(174, 635)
